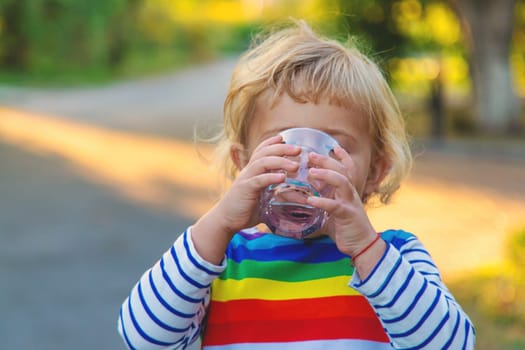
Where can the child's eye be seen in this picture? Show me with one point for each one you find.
(345, 146)
(346, 149)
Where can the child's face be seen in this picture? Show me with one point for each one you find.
(348, 126)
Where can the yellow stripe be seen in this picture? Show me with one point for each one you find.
(259, 288)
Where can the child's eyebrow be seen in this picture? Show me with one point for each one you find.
(274, 132)
(338, 133)
(335, 132)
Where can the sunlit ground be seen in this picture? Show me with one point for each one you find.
(464, 227)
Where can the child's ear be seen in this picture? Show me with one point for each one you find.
(238, 155)
(379, 169)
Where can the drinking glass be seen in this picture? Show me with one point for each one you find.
(283, 206)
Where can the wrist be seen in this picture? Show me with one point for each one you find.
(365, 263)
(364, 246)
(211, 237)
(220, 222)
(352, 245)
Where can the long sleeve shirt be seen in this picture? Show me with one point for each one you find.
(272, 292)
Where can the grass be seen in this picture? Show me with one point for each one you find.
(494, 298)
(137, 64)
(71, 77)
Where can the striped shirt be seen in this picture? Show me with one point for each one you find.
(273, 292)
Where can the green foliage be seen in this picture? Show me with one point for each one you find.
(44, 36)
(47, 42)
(96, 40)
(231, 39)
(67, 33)
(375, 24)
(495, 299)
(516, 248)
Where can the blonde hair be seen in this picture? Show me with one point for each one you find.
(297, 61)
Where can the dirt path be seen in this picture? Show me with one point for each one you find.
(95, 184)
(462, 207)
(462, 199)
(167, 105)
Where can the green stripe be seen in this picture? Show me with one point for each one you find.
(286, 271)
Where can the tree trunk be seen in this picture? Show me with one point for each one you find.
(488, 26)
(15, 40)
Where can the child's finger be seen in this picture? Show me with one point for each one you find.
(343, 156)
(276, 146)
(269, 141)
(341, 182)
(270, 164)
(257, 183)
(340, 161)
(280, 149)
(319, 161)
(332, 207)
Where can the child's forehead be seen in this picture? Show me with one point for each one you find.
(269, 119)
(271, 98)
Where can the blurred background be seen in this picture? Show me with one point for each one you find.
(100, 101)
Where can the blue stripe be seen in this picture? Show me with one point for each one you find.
(142, 333)
(400, 291)
(435, 284)
(389, 235)
(379, 263)
(272, 240)
(322, 253)
(411, 307)
(428, 262)
(192, 258)
(440, 286)
(183, 274)
(195, 335)
(397, 238)
(467, 332)
(173, 288)
(154, 318)
(422, 320)
(414, 250)
(388, 278)
(449, 298)
(456, 327)
(434, 274)
(271, 248)
(124, 330)
(433, 335)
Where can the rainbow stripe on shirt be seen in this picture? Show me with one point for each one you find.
(278, 290)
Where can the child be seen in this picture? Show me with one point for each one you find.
(346, 286)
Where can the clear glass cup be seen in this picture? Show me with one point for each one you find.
(283, 206)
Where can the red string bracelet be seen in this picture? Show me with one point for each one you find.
(378, 235)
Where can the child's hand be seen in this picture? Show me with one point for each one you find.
(348, 223)
(239, 206)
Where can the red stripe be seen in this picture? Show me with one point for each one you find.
(295, 309)
(297, 330)
(254, 320)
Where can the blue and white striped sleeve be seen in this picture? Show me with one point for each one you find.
(166, 307)
(415, 307)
